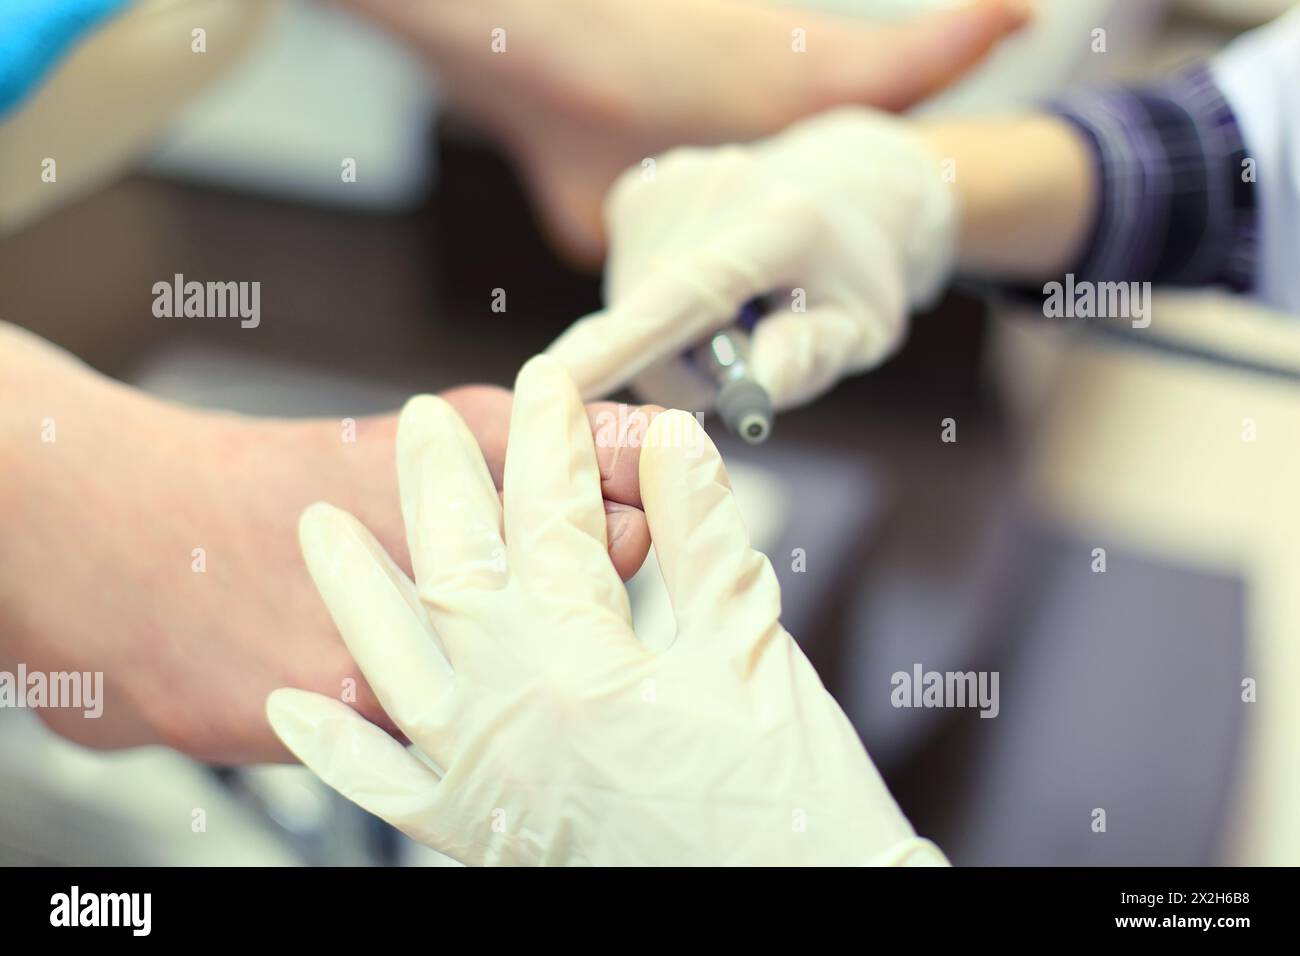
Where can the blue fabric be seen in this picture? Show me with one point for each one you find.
(35, 34)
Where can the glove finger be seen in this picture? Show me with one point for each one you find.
(717, 583)
(554, 512)
(675, 384)
(379, 615)
(799, 355)
(449, 504)
(658, 319)
(627, 534)
(357, 759)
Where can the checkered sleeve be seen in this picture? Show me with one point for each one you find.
(1174, 205)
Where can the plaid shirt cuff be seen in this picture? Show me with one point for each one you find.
(1173, 204)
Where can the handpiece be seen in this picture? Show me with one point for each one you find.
(743, 404)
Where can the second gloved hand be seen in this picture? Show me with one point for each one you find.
(552, 734)
(844, 221)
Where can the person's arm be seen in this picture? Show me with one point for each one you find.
(89, 84)
(859, 218)
(36, 34)
(1026, 193)
(1136, 185)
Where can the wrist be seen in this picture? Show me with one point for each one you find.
(933, 239)
(1023, 190)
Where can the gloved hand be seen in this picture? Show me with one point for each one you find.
(849, 207)
(552, 735)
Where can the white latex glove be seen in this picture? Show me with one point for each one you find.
(552, 734)
(848, 206)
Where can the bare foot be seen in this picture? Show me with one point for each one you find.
(586, 88)
(158, 545)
